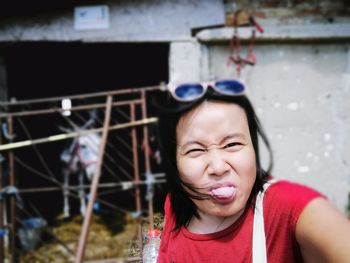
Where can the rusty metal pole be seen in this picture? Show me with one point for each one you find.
(136, 170)
(93, 190)
(2, 255)
(13, 229)
(147, 160)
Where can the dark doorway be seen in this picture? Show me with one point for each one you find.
(49, 69)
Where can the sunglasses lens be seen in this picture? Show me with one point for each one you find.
(229, 87)
(189, 92)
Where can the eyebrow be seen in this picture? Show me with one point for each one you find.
(190, 143)
(227, 137)
(232, 136)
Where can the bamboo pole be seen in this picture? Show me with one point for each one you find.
(83, 96)
(136, 171)
(2, 255)
(147, 160)
(13, 229)
(76, 108)
(94, 185)
(64, 136)
(125, 185)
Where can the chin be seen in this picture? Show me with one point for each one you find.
(223, 210)
(228, 212)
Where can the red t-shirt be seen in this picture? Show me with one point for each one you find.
(283, 203)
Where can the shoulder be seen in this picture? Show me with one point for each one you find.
(323, 233)
(288, 199)
(285, 191)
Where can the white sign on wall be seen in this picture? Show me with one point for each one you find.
(91, 17)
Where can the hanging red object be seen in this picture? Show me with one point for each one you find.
(235, 46)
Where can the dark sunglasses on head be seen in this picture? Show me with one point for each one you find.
(191, 91)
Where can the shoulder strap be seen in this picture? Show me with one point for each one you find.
(259, 241)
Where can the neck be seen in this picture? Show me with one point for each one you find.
(207, 224)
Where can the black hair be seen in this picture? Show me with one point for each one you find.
(169, 112)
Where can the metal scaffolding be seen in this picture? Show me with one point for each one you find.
(122, 110)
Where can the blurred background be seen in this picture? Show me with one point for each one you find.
(292, 55)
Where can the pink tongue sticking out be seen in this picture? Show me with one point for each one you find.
(223, 192)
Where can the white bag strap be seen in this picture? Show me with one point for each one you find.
(259, 240)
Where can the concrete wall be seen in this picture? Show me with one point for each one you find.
(302, 93)
(300, 88)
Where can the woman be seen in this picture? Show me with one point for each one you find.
(222, 206)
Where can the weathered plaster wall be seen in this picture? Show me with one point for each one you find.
(300, 86)
(302, 93)
(130, 21)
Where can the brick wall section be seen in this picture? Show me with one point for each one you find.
(325, 10)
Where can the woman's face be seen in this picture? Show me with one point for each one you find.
(215, 154)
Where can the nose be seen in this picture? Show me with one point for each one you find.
(217, 164)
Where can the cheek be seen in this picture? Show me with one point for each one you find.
(190, 170)
(246, 162)
(246, 169)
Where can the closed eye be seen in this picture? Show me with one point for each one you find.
(232, 144)
(196, 150)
